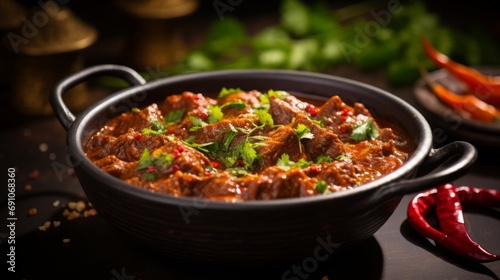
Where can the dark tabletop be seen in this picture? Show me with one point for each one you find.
(89, 248)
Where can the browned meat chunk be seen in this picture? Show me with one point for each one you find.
(280, 141)
(129, 147)
(284, 110)
(187, 101)
(324, 143)
(275, 183)
(134, 119)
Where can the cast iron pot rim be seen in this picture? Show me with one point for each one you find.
(75, 149)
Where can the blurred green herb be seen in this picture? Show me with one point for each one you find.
(315, 37)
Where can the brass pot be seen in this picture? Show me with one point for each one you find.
(154, 34)
(49, 46)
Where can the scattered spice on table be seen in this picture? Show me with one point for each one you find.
(32, 211)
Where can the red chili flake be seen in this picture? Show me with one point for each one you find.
(342, 129)
(138, 136)
(175, 154)
(239, 163)
(151, 169)
(175, 167)
(312, 110)
(345, 112)
(315, 168)
(196, 98)
(343, 118)
(215, 164)
(204, 115)
(180, 149)
(33, 174)
(188, 96)
(208, 173)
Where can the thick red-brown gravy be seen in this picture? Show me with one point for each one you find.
(245, 146)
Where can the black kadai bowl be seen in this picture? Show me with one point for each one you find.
(283, 229)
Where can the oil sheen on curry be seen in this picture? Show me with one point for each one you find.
(247, 145)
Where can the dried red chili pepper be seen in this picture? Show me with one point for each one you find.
(448, 201)
(482, 86)
(468, 104)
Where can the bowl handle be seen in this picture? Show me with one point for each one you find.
(66, 118)
(443, 165)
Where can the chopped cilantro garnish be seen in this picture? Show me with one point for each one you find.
(239, 104)
(323, 158)
(303, 132)
(342, 157)
(227, 91)
(135, 110)
(264, 117)
(150, 132)
(280, 94)
(197, 123)
(229, 137)
(163, 160)
(174, 117)
(156, 128)
(214, 113)
(321, 186)
(244, 151)
(156, 125)
(365, 130)
(150, 176)
(285, 163)
(319, 122)
(238, 171)
(209, 147)
(144, 160)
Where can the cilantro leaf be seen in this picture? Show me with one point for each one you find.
(156, 128)
(150, 132)
(197, 123)
(150, 176)
(145, 160)
(264, 117)
(214, 113)
(303, 132)
(209, 147)
(174, 117)
(285, 163)
(227, 91)
(322, 158)
(239, 104)
(248, 154)
(365, 130)
(238, 171)
(321, 186)
(163, 160)
(280, 94)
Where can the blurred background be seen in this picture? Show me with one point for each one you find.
(374, 41)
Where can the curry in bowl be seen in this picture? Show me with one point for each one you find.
(247, 145)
